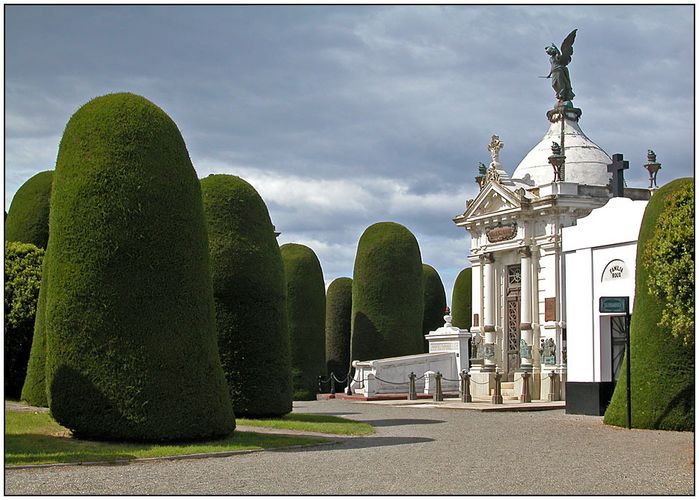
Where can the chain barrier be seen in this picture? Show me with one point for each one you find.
(392, 383)
(339, 381)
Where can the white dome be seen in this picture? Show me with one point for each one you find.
(586, 162)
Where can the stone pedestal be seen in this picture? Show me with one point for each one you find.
(482, 383)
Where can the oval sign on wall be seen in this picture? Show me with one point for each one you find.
(615, 270)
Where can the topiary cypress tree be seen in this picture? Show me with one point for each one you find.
(131, 351)
(338, 326)
(435, 300)
(34, 388)
(28, 218)
(306, 312)
(662, 365)
(22, 279)
(387, 295)
(250, 297)
(461, 308)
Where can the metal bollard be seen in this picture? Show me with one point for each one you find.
(412, 393)
(525, 397)
(438, 396)
(332, 383)
(497, 397)
(350, 378)
(465, 387)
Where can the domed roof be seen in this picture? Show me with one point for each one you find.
(586, 162)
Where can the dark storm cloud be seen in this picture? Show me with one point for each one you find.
(343, 116)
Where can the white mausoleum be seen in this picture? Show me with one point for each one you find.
(517, 226)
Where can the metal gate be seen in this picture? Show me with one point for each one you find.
(618, 328)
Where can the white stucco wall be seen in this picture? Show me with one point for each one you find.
(609, 233)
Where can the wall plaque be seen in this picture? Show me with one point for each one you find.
(501, 233)
(475, 320)
(550, 309)
(615, 270)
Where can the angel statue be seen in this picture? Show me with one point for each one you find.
(559, 68)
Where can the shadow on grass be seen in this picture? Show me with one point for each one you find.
(390, 422)
(39, 448)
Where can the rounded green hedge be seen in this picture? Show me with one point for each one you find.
(22, 279)
(662, 365)
(131, 350)
(435, 300)
(461, 305)
(250, 297)
(306, 312)
(28, 218)
(34, 388)
(387, 295)
(338, 326)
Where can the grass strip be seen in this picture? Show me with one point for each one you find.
(35, 438)
(317, 422)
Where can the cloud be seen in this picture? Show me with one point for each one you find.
(342, 116)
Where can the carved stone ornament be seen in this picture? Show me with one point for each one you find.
(525, 351)
(501, 233)
(492, 174)
(547, 351)
(489, 351)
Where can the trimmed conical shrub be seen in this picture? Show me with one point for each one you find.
(34, 388)
(435, 300)
(387, 295)
(461, 306)
(338, 326)
(22, 278)
(306, 308)
(250, 297)
(131, 351)
(662, 365)
(28, 218)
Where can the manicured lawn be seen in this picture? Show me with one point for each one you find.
(312, 422)
(35, 438)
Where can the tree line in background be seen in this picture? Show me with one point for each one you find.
(158, 306)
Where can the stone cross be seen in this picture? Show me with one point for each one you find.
(494, 147)
(616, 168)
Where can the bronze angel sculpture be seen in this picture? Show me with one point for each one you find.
(559, 68)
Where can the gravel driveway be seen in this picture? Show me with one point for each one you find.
(415, 450)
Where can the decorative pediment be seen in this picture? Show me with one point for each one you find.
(494, 198)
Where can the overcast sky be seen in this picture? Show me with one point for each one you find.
(342, 116)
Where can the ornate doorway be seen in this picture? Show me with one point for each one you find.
(512, 333)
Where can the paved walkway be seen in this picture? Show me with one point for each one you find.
(416, 450)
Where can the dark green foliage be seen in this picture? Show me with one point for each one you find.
(435, 302)
(338, 326)
(28, 218)
(662, 366)
(22, 280)
(131, 351)
(461, 306)
(249, 293)
(387, 297)
(669, 260)
(306, 307)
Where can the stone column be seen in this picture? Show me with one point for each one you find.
(488, 312)
(525, 321)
